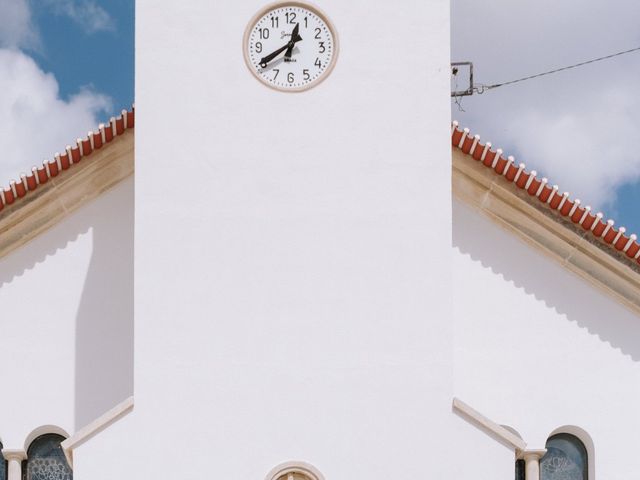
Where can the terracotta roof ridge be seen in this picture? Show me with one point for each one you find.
(71, 156)
(547, 195)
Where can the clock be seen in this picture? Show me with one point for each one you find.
(290, 46)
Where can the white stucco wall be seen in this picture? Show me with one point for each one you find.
(296, 293)
(66, 303)
(538, 348)
(286, 264)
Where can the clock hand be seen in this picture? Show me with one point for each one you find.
(294, 38)
(265, 60)
(290, 46)
(292, 43)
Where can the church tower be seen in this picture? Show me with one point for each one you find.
(292, 272)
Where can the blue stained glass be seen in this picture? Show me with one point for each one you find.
(3, 466)
(46, 460)
(566, 459)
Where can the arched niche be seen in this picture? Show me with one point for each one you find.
(43, 430)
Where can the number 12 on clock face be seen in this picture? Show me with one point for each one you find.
(290, 46)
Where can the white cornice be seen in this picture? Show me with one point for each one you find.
(491, 428)
(98, 425)
(496, 198)
(41, 209)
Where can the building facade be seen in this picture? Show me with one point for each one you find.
(329, 284)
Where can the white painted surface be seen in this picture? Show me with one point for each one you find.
(97, 426)
(285, 260)
(95, 459)
(298, 306)
(499, 433)
(537, 348)
(66, 321)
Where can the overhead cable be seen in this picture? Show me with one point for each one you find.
(482, 88)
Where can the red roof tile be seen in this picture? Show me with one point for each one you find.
(537, 188)
(542, 193)
(66, 160)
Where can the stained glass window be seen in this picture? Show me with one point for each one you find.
(3, 466)
(46, 460)
(520, 469)
(566, 459)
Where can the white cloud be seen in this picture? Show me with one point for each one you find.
(576, 127)
(90, 16)
(16, 27)
(34, 121)
(590, 151)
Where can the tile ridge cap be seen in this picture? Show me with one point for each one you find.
(27, 183)
(571, 209)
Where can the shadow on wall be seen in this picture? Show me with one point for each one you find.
(104, 319)
(547, 281)
(104, 323)
(41, 247)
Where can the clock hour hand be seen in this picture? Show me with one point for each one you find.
(289, 46)
(294, 38)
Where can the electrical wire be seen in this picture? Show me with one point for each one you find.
(483, 88)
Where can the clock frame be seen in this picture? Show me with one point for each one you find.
(284, 4)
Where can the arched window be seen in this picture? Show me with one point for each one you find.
(3, 466)
(520, 469)
(46, 460)
(566, 459)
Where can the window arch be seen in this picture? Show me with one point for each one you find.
(566, 459)
(46, 460)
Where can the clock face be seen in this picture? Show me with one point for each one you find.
(290, 46)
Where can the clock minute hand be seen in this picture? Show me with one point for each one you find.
(288, 47)
(265, 60)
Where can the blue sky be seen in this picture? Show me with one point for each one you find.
(626, 208)
(80, 57)
(65, 67)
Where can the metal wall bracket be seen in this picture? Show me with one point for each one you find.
(457, 69)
